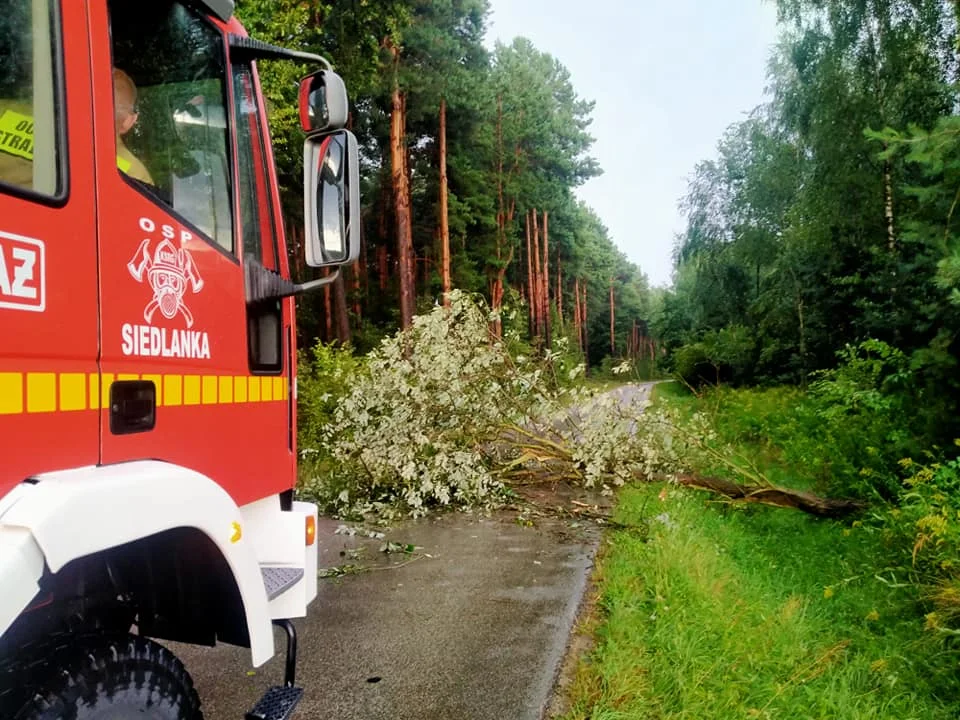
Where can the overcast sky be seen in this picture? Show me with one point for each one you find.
(668, 78)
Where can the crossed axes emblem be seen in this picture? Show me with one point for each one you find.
(169, 270)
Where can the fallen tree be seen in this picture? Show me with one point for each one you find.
(766, 494)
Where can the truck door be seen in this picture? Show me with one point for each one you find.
(49, 387)
(176, 188)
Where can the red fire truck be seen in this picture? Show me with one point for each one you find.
(147, 360)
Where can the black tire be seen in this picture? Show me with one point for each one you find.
(111, 678)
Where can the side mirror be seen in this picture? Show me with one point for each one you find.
(323, 102)
(331, 181)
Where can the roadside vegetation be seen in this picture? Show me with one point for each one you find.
(713, 608)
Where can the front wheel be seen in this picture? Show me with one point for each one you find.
(111, 678)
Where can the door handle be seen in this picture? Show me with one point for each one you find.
(133, 406)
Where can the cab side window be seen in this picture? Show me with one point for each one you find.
(169, 89)
(29, 108)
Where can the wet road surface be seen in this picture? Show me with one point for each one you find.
(476, 630)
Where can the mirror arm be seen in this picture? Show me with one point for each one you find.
(315, 284)
(265, 284)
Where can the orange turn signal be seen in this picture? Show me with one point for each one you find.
(311, 530)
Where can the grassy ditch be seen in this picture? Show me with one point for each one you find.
(731, 611)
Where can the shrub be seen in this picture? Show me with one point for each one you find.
(324, 376)
(865, 418)
(691, 364)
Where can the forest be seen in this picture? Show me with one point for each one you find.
(828, 216)
(470, 162)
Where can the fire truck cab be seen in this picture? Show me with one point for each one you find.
(147, 351)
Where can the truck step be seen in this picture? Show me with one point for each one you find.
(278, 703)
(277, 580)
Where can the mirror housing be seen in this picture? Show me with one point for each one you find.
(323, 102)
(331, 199)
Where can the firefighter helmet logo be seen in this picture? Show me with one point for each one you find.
(168, 270)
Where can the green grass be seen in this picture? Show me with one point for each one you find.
(712, 610)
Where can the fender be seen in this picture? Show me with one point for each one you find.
(65, 515)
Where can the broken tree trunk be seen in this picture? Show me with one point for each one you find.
(773, 495)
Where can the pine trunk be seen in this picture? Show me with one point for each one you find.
(576, 313)
(444, 219)
(383, 267)
(357, 288)
(537, 278)
(401, 195)
(327, 310)
(613, 340)
(341, 316)
(545, 280)
(496, 284)
(560, 293)
(583, 326)
(531, 293)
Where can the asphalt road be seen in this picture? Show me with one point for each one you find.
(476, 627)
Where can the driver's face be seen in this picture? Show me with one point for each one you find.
(124, 98)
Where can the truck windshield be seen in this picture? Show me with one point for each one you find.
(28, 108)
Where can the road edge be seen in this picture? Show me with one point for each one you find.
(579, 636)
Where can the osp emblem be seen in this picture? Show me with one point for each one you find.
(169, 271)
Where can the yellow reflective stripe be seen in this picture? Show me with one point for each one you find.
(172, 390)
(11, 393)
(73, 391)
(45, 392)
(226, 389)
(240, 388)
(124, 164)
(41, 392)
(191, 390)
